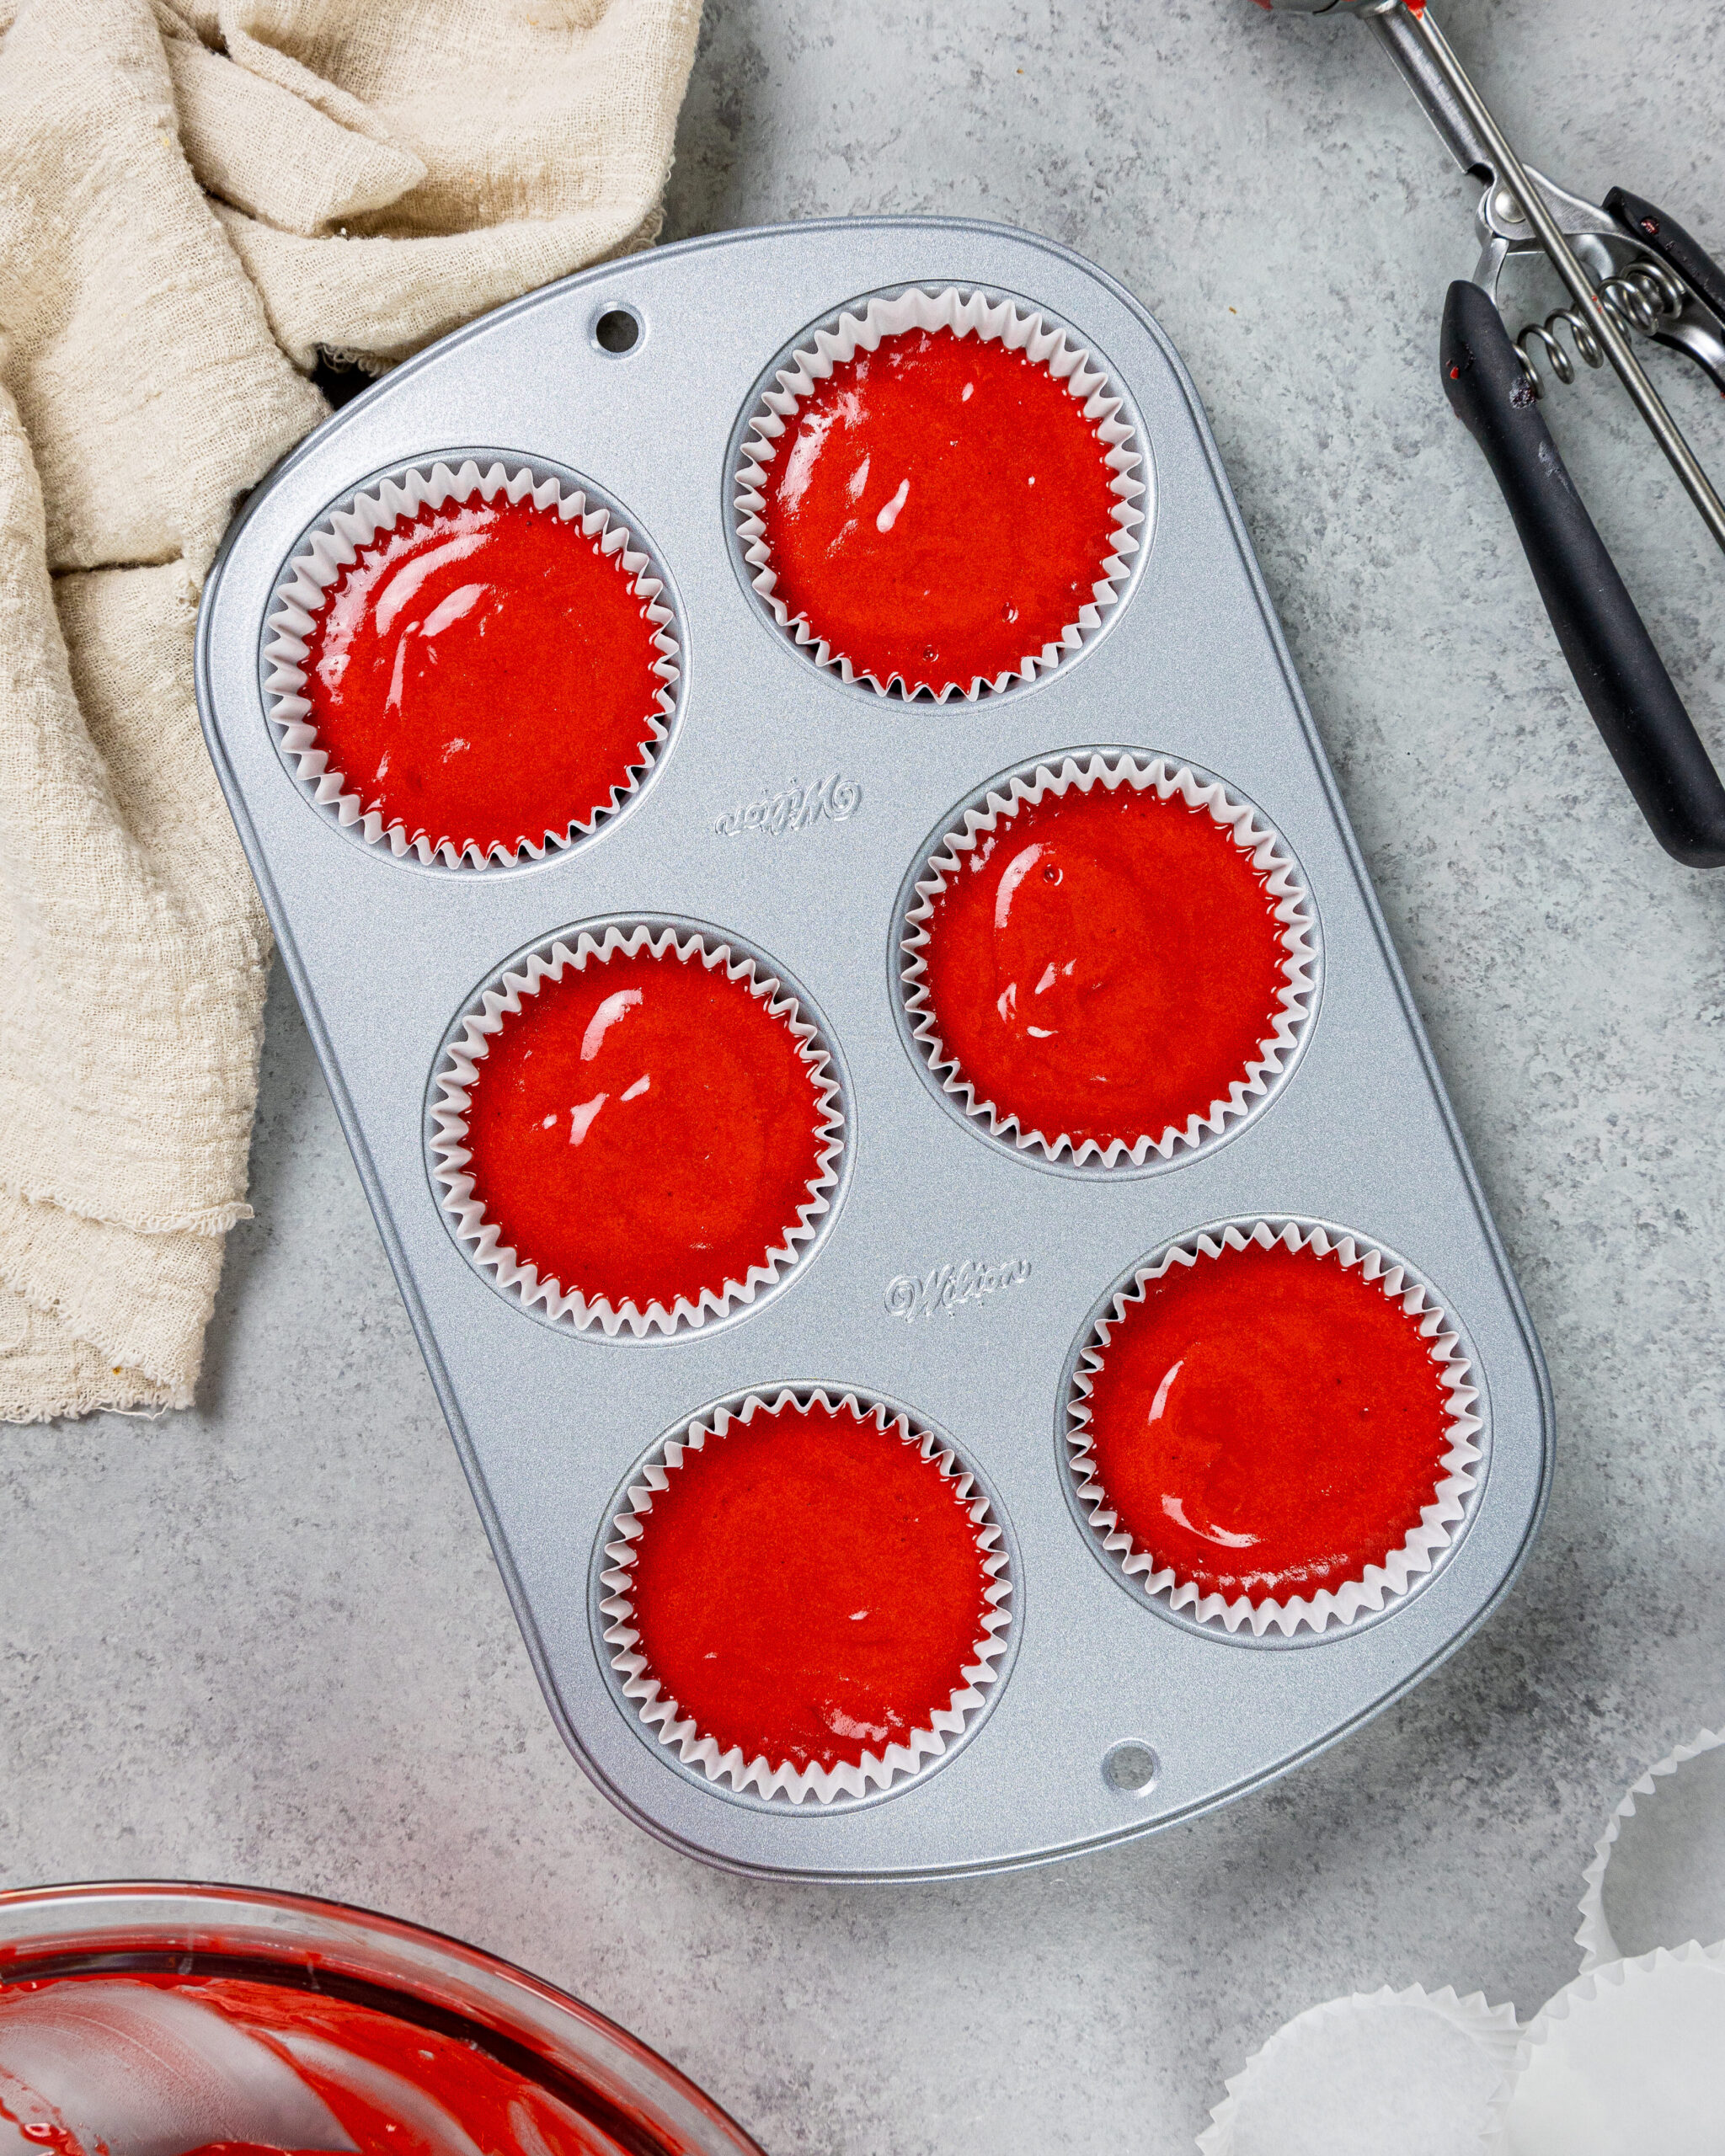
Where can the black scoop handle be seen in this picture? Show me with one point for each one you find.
(1652, 229)
(1621, 678)
(1663, 236)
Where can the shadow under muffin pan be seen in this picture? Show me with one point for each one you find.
(787, 813)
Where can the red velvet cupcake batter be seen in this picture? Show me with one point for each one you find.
(483, 674)
(644, 1128)
(1105, 964)
(395, 2088)
(1267, 1423)
(809, 1587)
(938, 508)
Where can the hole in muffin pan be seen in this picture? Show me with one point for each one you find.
(749, 557)
(445, 477)
(617, 330)
(1262, 1079)
(1130, 1769)
(504, 992)
(1444, 1523)
(608, 1614)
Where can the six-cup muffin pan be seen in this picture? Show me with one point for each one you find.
(956, 1274)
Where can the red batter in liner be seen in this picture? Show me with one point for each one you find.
(644, 1128)
(1267, 1423)
(939, 509)
(1105, 964)
(396, 2089)
(483, 674)
(809, 1587)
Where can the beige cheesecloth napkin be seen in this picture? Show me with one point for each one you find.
(195, 195)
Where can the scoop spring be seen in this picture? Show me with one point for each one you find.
(1639, 297)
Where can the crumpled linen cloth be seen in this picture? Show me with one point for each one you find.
(195, 196)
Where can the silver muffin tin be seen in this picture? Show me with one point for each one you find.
(1110, 1719)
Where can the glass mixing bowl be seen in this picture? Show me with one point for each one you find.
(143, 2020)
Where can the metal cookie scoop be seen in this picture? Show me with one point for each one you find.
(1627, 267)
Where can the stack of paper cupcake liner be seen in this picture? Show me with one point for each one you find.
(1628, 2056)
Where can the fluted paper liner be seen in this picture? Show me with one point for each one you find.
(1629, 2056)
(779, 1779)
(458, 1068)
(333, 545)
(1380, 1584)
(1269, 855)
(966, 314)
(1365, 2075)
(1655, 1789)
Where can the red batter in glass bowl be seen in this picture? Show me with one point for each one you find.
(487, 675)
(928, 504)
(1273, 1427)
(222, 2021)
(810, 1604)
(644, 1133)
(1109, 961)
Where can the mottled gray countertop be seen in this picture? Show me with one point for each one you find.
(265, 1641)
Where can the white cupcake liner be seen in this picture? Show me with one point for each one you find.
(333, 545)
(966, 313)
(1629, 2056)
(1702, 1845)
(1380, 1584)
(1085, 770)
(781, 1781)
(1405, 2071)
(458, 1069)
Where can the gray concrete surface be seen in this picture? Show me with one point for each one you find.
(265, 1641)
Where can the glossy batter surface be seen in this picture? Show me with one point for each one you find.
(484, 675)
(809, 1587)
(153, 2061)
(644, 1128)
(938, 510)
(1105, 964)
(1267, 1423)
